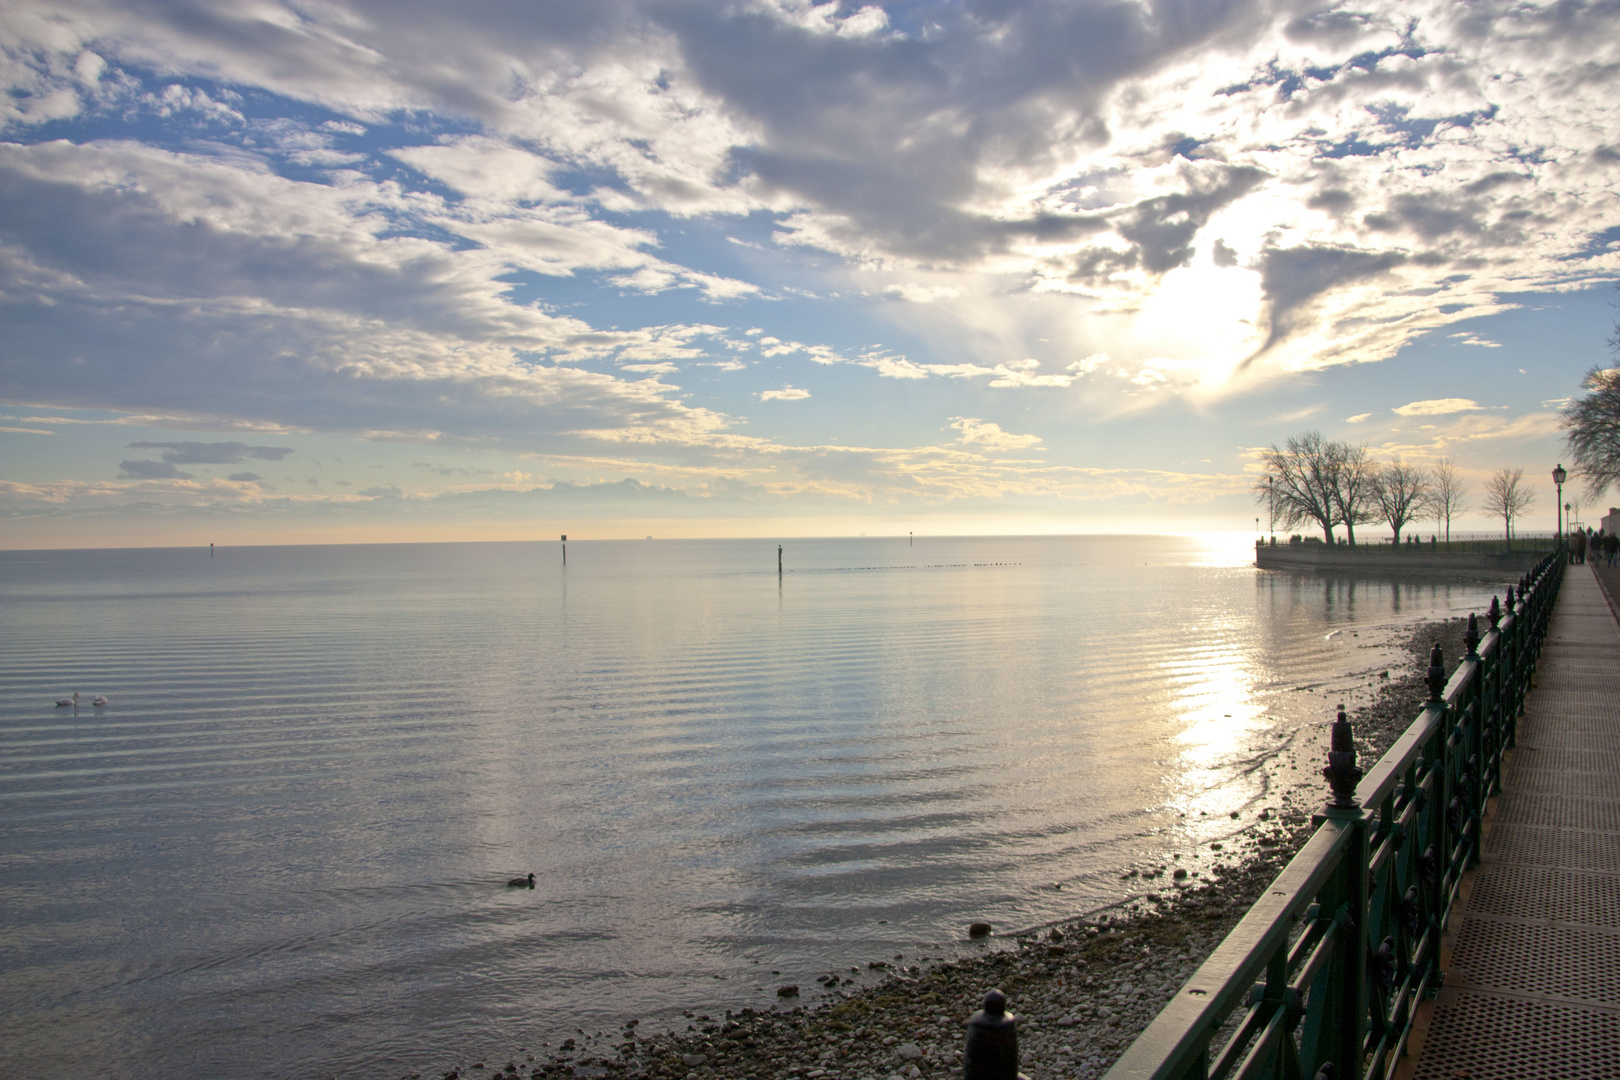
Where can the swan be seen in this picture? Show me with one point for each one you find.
(521, 883)
(63, 702)
(99, 699)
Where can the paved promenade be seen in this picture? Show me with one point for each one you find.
(1533, 982)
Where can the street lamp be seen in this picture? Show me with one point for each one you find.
(1559, 476)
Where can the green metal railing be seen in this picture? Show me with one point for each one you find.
(1329, 966)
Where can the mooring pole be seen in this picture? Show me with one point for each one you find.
(778, 560)
(565, 548)
(210, 549)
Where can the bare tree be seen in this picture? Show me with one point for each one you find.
(1504, 496)
(1354, 482)
(1450, 496)
(1298, 482)
(1592, 428)
(1402, 493)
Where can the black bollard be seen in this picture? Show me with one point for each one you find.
(991, 1052)
(1341, 771)
(1437, 673)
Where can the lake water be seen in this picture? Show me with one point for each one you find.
(281, 849)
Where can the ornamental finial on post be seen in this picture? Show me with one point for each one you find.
(1495, 614)
(1341, 772)
(991, 1052)
(1437, 674)
(1471, 638)
(1510, 600)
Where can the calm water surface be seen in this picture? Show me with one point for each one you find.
(281, 850)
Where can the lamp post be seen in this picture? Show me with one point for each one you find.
(1271, 507)
(1559, 476)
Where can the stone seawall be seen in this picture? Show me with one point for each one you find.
(1385, 557)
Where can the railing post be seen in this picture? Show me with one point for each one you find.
(1472, 709)
(1346, 895)
(1495, 706)
(1510, 676)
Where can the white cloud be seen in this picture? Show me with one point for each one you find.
(1194, 205)
(1437, 407)
(1021, 373)
(921, 294)
(216, 268)
(1358, 418)
(1470, 338)
(976, 432)
(787, 393)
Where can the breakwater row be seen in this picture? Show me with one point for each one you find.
(1394, 558)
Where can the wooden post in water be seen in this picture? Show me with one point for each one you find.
(911, 539)
(210, 549)
(565, 548)
(779, 561)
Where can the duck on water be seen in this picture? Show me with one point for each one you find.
(521, 882)
(99, 699)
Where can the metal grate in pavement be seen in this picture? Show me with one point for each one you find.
(1583, 700)
(1551, 845)
(1534, 756)
(1483, 1037)
(1529, 845)
(1549, 810)
(1555, 726)
(1542, 892)
(1565, 739)
(1554, 961)
(1579, 785)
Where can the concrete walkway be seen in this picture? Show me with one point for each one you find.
(1533, 980)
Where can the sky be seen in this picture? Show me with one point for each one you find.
(341, 271)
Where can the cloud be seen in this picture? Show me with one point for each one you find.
(200, 453)
(201, 286)
(150, 470)
(921, 294)
(413, 222)
(1437, 407)
(387, 491)
(245, 477)
(1358, 418)
(787, 393)
(1086, 365)
(976, 432)
(1021, 373)
(1468, 338)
